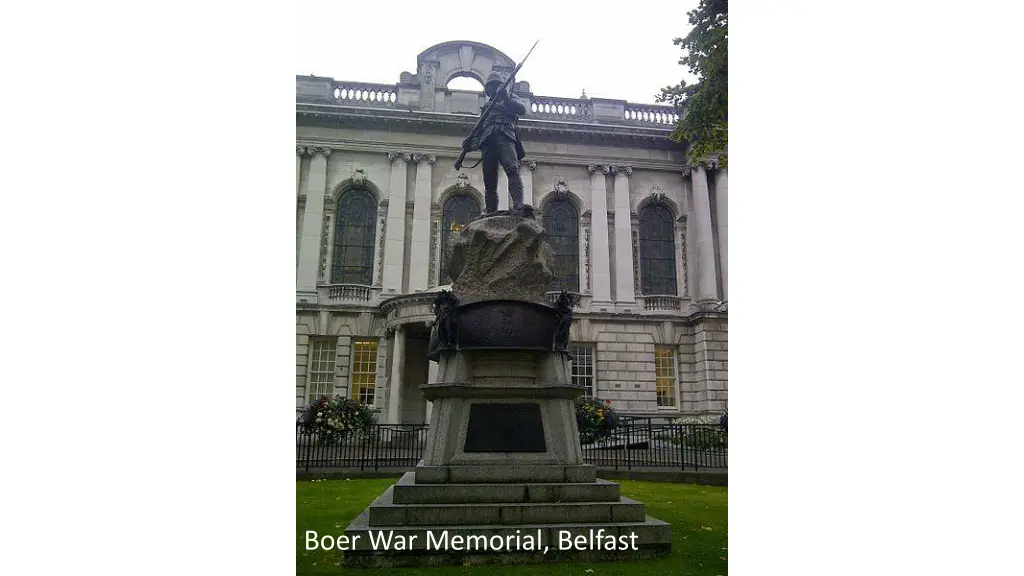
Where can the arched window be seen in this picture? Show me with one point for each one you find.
(355, 228)
(459, 210)
(657, 251)
(562, 223)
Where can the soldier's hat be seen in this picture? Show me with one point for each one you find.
(493, 77)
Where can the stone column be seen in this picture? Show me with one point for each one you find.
(706, 284)
(397, 359)
(299, 151)
(312, 222)
(722, 211)
(419, 258)
(527, 171)
(601, 285)
(394, 240)
(623, 237)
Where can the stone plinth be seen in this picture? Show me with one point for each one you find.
(503, 456)
(501, 257)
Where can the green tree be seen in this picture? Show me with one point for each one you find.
(705, 104)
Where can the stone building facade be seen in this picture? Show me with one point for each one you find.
(639, 233)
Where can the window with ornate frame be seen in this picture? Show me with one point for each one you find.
(562, 224)
(458, 211)
(364, 371)
(581, 363)
(657, 251)
(322, 355)
(665, 373)
(355, 230)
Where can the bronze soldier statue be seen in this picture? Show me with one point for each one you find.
(499, 144)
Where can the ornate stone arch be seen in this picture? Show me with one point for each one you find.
(461, 187)
(658, 196)
(358, 179)
(561, 191)
(463, 58)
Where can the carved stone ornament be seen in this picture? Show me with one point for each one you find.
(462, 182)
(689, 167)
(420, 157)
(682, 251)
(392, 156)
(531, 164)
(300, 150)
(657, 194)
(627, 170)
(358, 176)
(636, 262)
(380, 251)
(606, 169)
(312, 151)
(561, 187)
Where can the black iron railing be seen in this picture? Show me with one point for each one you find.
(637, 443)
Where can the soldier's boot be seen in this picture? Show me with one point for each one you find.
(490, 201)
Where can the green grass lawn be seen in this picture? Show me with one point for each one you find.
(698, 515)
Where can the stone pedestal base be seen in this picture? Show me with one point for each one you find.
(502, 478)
(503, 523)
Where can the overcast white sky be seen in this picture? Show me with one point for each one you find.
(613, 50)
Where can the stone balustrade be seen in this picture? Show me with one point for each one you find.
(545, 108)
(349, 293)
(590, 110)
(650, 114)
(661, 302)
(365, 94)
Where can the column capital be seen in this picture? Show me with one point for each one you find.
(300, 150)
(705, 165)
(405, 156)
(627, 170)
(591, 168)
(421, 157)
(312, 151)
(531, 164)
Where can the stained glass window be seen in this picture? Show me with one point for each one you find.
(657, 251)
(355, 229)
(459, 210)
(562, 223)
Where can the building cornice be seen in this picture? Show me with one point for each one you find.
(442, 123)
(443, 153)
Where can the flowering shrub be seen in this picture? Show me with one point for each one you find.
(332, 420)
(595, 419)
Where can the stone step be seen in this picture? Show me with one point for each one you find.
(505, 474)
(384, 512)
(407, 491)
(367, 546)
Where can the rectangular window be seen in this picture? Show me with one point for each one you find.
(364, 370)
(321, 368)
(665, 372)
(582, 367)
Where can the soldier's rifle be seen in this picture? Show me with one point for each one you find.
(487, 107)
